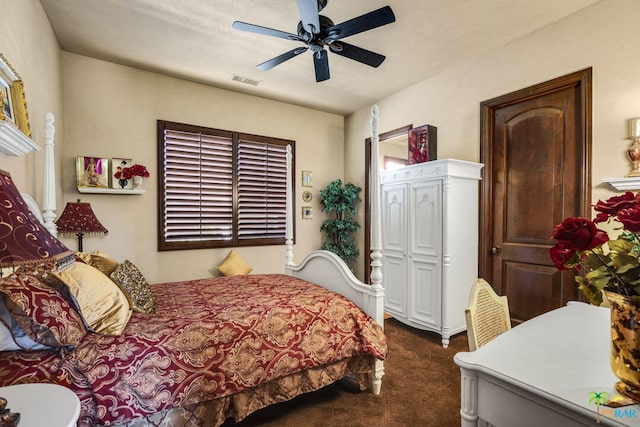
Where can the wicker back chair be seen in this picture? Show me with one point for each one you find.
(487, 315)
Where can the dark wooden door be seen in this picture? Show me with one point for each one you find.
(536, 150)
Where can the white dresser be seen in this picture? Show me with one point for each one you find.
(430, 243)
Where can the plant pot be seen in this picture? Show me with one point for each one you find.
(625, 343)
(137, 182)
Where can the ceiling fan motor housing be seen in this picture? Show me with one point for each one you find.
(325, 24)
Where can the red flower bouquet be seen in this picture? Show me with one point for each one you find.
(130, 172)
(138, 170)
(612, 265)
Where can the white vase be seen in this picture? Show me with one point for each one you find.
(137, 182)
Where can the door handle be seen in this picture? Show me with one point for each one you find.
(496, 250)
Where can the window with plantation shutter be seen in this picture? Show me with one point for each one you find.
(262, 189)
(220, 188)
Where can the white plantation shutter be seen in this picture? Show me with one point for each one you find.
(202, 205)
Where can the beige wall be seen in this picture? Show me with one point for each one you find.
(28, 44)
(111, 111)
(603, 36)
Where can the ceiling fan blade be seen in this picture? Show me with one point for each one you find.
(321, 64)
(368, 21)
(252, 28)
(267, 65)
(357, 53)
(309, 15)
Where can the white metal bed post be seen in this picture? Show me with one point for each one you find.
(49, 187)
(289, 216)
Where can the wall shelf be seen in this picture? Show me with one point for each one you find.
(13, 142)
(632, 183)
(108, 191)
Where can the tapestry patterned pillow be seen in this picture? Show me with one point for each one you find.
(42, 312)
(135, 287)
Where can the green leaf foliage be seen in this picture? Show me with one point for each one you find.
(340, 200)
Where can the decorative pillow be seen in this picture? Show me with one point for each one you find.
(138, 292)
(102, 304)
(234, 265)
(41, 312)
(99, 260)
(12, 337)
(7, 343)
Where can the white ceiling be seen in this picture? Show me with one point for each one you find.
(193, 40)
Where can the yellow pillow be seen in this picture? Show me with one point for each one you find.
(103, 305)
(99, 260)
(234, 265)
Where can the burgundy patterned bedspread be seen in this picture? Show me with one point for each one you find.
(208, 338)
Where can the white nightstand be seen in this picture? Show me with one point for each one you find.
(42, 404)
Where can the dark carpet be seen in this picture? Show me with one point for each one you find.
(421, 387)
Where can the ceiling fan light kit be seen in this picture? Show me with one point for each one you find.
(319, 34)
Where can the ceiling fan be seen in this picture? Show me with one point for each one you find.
(319, 33)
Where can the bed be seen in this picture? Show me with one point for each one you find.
(195, 352)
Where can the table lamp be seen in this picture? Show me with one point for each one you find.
(78, 218)
(24, 242)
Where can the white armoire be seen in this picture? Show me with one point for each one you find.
(430, 243)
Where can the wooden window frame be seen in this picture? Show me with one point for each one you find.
(226, 144)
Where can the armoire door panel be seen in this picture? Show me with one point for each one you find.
(425, 218)
(394, 281)
(424, 299)
(393, 218)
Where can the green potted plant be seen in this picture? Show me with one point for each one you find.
(340, 199)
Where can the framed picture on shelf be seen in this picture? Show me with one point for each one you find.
(118, 179)
(423, 144)
(12, 98)
(92, 172)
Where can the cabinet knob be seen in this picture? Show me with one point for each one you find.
(496, 250)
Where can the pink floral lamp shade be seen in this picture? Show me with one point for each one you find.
(23, 239)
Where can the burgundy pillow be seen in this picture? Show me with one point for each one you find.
(42, 312)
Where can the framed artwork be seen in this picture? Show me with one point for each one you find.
(5, 97)
(92, 172)
(14, 104)
(307, 212)
(423, 144)
(117, 180)
(307, 179)
(307, 196)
